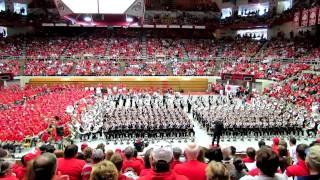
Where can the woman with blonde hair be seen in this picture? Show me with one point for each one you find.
(104, 170)
(217, 171)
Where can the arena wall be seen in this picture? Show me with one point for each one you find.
(186, 84)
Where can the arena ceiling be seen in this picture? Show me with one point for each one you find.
(101, 12)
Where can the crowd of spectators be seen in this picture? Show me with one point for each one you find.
(273, 71)
(194, 68)
(126, 48)
(164, 48)
(182, 18)
(14, 93)
(9, 66)
(303, 90)
(48, 67)
(34, 115)
(97, 68)
(280, 47)
(11, 46)
(146, 68)
(162, 161)
(88, 67)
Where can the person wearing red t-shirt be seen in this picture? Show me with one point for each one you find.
(275, 145)
(97, 156)
(299, 169)
(147, 163)
(6, 171)
(161, 157)
(117, 160)
(131, 164)
(176, 157)
(193, 169)
(251, 154)
(69, 165)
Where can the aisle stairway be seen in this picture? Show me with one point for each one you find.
(144, 47)
(184, 52)
(22, 62)
(108, 49)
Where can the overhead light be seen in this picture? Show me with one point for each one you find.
(129, 19)
(87, 19)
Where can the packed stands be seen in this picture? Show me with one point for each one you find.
(274, 71)
(194, 68)
(164, 48)
(97, 68)
(9, 66)
(14, 93)
(146, 68)
(32, 117)
(126, 48)
(48, 67)
(302, 90)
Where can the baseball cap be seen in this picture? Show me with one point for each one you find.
(97, 154)
(313, 157)
(163, 153)
(83, 146)
(276, 140)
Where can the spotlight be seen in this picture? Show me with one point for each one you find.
(87, 19)
(129, 19)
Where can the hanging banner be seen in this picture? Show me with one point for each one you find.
(313, 16)
(305, 18)
(297, 19)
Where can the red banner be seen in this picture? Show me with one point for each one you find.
(297, 19)
(313, 16)
(305, 18)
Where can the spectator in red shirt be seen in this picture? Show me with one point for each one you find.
(21, 171)
(117, 160)
(136, 157)
(251, 154)
(313, 163)
(131, 164)
(6, 171)
(193, 169)
(44, 167)
(97, 155)
(69, 165)
(160, 160)
(147, 164)
(176, 157)
(275, 145)
(299, 169)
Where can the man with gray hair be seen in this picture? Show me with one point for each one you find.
(313, 164)
(192, 169)
(97, 156)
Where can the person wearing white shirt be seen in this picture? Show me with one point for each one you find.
(292, 149)
(268, 163)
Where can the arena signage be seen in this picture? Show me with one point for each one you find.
(242, 77)
(6, 77)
